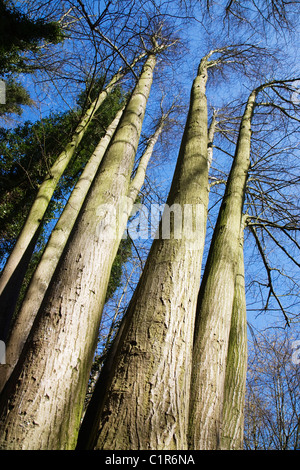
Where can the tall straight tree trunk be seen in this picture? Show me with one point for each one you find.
(16, 265)
(141, 398)
(215, 301)
(236, 364)
(50, 258)
(134, 189)
(41, 404)
(139, 178)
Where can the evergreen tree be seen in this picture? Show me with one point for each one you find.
(20, 34)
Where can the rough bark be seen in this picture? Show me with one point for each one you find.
(41, 404)
(236, 365)
(215, 302)
(15, 268)
(142, 395)
(50, 258)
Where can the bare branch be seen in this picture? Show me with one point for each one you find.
(269, 276)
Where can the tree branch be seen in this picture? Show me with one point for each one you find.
(268, 271)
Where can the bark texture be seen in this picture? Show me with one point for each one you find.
(142, 395)
(215, 302)
(53, 251)
(41, 404)
(236, 364)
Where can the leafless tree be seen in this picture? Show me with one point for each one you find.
(272, 400)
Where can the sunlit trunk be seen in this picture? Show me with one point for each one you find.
(16, 265)
(41, 404)
(142, 395)
(215, 302)
(51, 255)
(236, 364)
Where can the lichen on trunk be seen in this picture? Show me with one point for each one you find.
(42, 402)
(232, 428)
(50, 258)
(215, 301)
(141, 398)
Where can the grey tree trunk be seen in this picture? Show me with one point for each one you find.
(41, 404)
(142, 395)
(236, 365)
(16, 265)
(134, 189)
(215, 302)
(50, 258)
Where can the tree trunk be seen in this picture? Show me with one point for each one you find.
(50, 258)
(215, 302)
(41, 404)
(141, 398)
(16, 265)
(236, 364)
